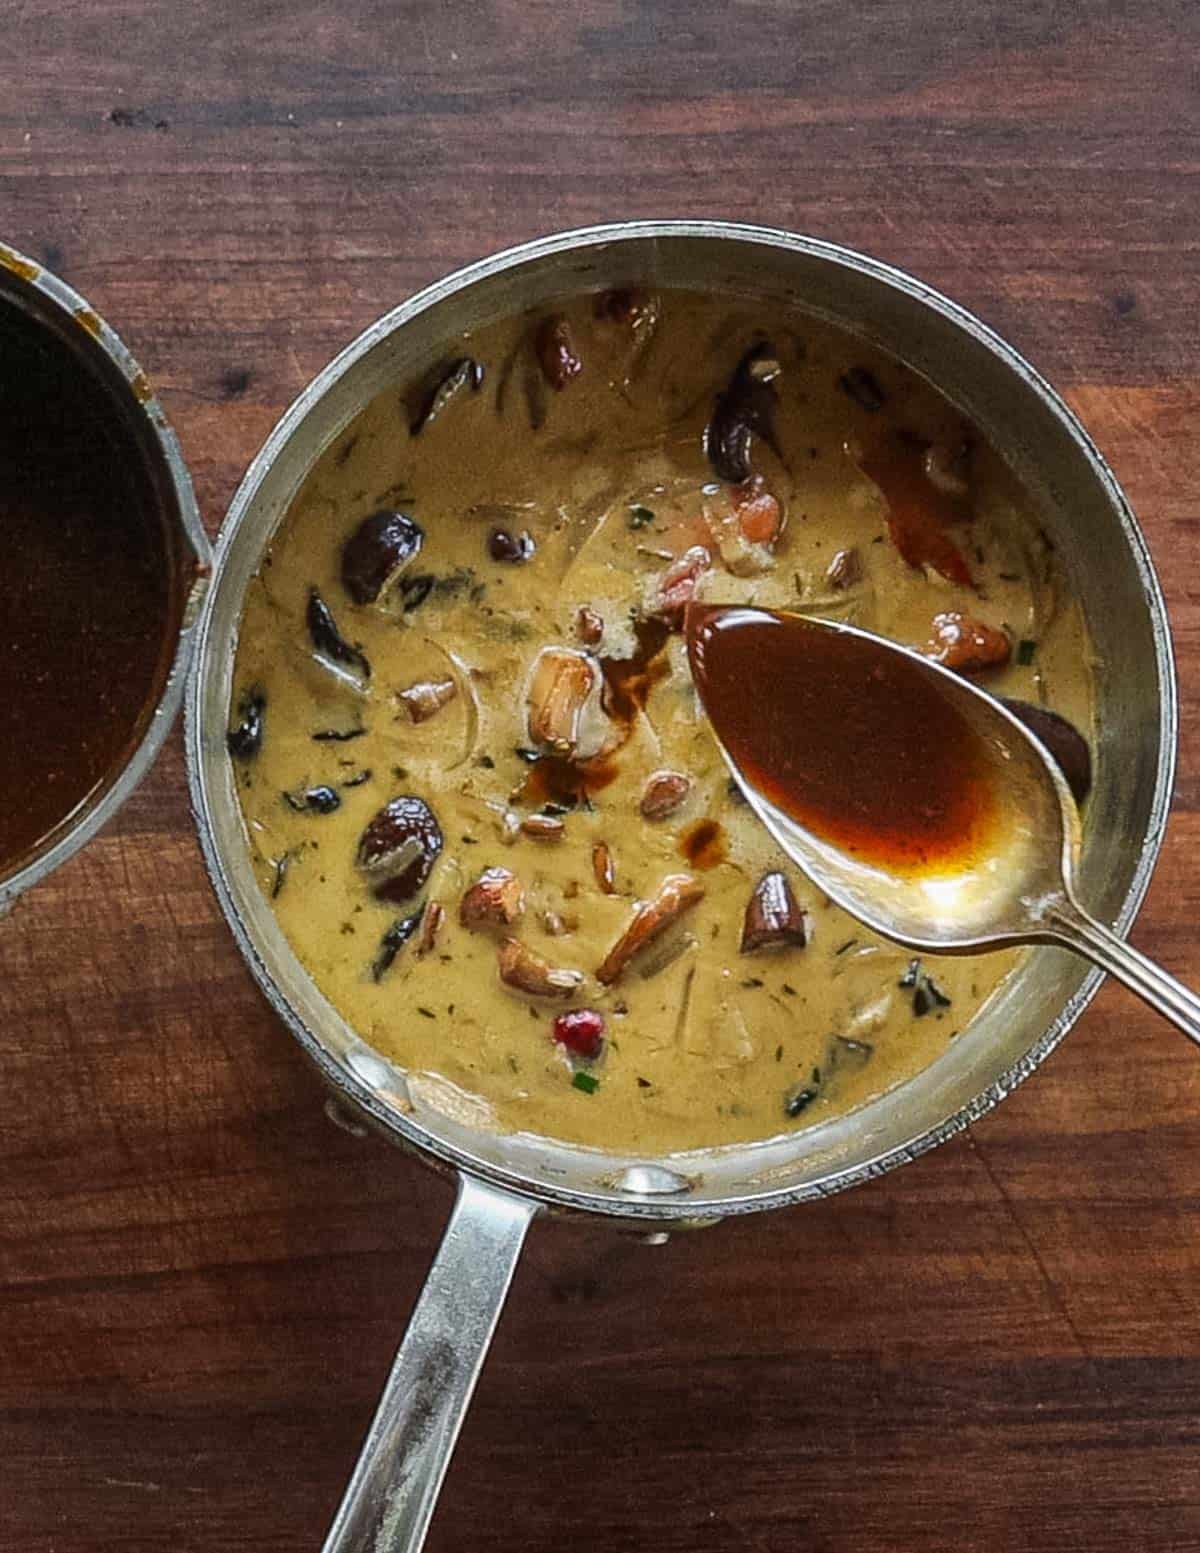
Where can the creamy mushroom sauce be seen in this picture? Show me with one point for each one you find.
(704, 1043)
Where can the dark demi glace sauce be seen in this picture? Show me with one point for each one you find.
(85, 586)
(855, 742)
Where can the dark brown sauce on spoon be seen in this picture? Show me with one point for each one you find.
(85, 586)
(857, 744)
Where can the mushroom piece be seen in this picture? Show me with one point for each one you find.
(564, 713)
(328, 640)
(399, 847)
(845, 569)
(964, 643)
(426, 698)
(556, 352)
(745, 409)
(543, 827)
(773, 916)
(440, 388)
(663, 794)
(527, 971)
(496, 899)
(376, 551)
(677, 894)
(1063, 740)
(589, 626)
(604, 868)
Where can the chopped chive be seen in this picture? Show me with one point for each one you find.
(1025, 651)
(586, 1082)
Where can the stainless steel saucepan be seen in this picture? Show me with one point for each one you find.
(505, 1180)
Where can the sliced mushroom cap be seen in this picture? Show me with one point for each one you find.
(677, 894)
(399, 847)
(556, 353)
(527, 971)
(845, 569)
(564, 710)
(376, 551)
(663, 793)
(496, 899)
(427, 697)
(745, 409)
(1064, 741)
(967, 644)
(773, 917)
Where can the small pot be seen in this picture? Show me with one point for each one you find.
(504, 1179)
(72, 326)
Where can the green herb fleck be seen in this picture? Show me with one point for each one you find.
(586, 1082)
(428, 1012)
(752, 981)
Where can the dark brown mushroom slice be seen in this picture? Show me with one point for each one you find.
(663, 793)
(447, 382)
(399, 847)
(313, 800)
(744, 410)
(861, 385)
(496, 899)
(504, 545)
(677, 894)
(845, 569)
(554, 347)
(245, 740)
(523, 969)
(1064, 741)
(328, 640)
(375, 552)
(394, 940)
(773, 917)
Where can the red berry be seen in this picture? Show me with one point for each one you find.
(581, 1030)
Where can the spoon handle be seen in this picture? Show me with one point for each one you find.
(1073, 927)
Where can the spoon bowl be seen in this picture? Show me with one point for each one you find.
(861, 744)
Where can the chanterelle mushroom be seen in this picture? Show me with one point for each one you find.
(527, 971)
(677, 894)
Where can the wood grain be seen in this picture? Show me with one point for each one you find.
(201, 1281)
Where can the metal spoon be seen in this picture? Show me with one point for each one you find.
(1021, 888)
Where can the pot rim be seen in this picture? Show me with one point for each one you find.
(143, 403)
(661, 1209)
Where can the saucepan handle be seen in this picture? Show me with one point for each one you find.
(390, 1499)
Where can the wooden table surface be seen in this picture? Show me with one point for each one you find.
(201, 1281)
